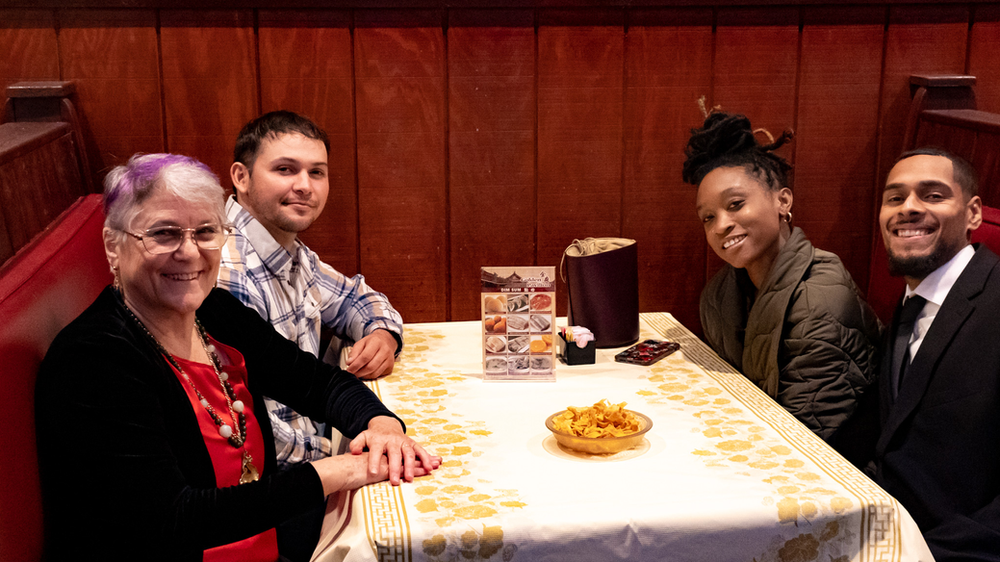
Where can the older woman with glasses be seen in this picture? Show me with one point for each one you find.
(149, 406)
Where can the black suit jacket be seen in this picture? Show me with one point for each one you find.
(939, 448)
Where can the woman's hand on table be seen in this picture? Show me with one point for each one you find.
(387, 443)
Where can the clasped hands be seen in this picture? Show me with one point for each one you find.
(391, 453)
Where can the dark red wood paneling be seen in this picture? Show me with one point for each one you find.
(401, 120)
(29, 46)
(112, 56)
(982, 57)
(209, 82)
(595, 119)
(38, 185)
(491, 111)
(973, 135)
(840, 72)
(452, 4)
(668, 66)
(306, 66)
(580, 105)
(756, 63)
(920, 40)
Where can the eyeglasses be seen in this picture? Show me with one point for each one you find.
(167, 239)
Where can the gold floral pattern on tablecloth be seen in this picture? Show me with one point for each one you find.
(733, 442)
(417, 395)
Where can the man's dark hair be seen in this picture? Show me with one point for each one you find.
(270, 125)
(962, 172)
(727, 140)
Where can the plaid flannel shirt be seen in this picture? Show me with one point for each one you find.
(298, 294)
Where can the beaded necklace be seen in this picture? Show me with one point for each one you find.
(249, 472)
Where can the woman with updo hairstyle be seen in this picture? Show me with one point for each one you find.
(153, 439)
(786, 314)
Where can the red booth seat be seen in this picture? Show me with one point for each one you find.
(43, 287)
(884, 291)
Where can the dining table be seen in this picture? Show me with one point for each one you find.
(724, 473)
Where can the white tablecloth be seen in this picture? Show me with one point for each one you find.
(724, 474)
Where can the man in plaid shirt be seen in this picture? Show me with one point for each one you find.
(280, 184)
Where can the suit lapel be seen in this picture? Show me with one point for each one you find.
(885, 380)
(955, 310)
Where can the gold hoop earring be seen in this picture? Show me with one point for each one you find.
(788, 218)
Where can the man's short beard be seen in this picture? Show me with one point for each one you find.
(921, 266)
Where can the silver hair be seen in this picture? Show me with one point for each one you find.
(127, 187)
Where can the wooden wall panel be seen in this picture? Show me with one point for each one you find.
(580, 106)
(979, 143)
(920, 40)
(209, 82)
(982, 57)
(33, 186)
(306, 66)
(29, 46)
(756, 61)
(113, 58)
(668, 66)
(756, 64)
(840, 71)
(491, 148)
(401, 119)
(574, 119)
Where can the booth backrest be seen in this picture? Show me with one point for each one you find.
(45, 286)
(884, 291)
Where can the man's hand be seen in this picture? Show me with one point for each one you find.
(385, 440)
(373, 355)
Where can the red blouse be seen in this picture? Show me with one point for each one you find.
(226, 459)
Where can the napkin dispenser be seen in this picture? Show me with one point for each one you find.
(572, 354)
(602, 281)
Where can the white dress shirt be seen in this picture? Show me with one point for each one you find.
(935, 287)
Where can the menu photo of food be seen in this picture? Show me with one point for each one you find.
(495, 324)
(518, 344)
(540, 344)
(497, 366)
(517, 322)
(518, 327)
(495, 344)
(541, 302)
(540, 323)
(540, 364)
(517, 303)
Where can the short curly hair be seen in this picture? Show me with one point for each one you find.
(727, 140)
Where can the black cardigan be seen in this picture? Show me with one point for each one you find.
(124, 468)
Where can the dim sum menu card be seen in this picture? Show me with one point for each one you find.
(518, 310)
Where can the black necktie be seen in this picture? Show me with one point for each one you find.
(901, 347)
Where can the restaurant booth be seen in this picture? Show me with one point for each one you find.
(467, 134)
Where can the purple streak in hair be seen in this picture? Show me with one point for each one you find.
(142, 171)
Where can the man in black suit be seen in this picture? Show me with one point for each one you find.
(939, 448)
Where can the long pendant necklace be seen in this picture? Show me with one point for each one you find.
(248, 472)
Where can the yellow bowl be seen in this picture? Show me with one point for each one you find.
(600, 445)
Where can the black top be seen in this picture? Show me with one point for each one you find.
(124, 467)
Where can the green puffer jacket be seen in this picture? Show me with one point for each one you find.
(808, 339)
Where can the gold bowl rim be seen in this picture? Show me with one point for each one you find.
(647, 424)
